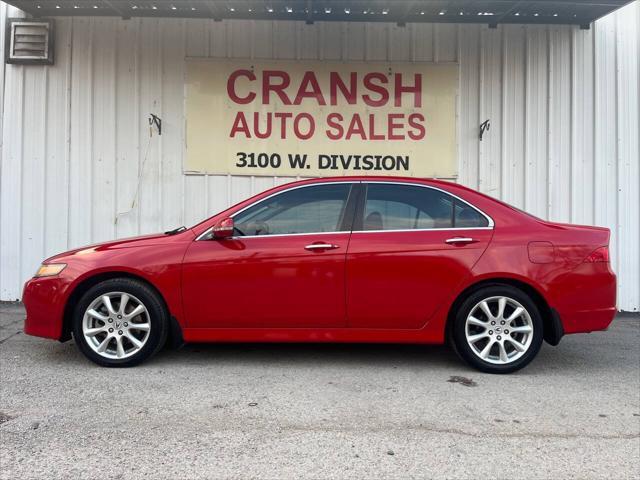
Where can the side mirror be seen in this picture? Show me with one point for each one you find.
(223, 229)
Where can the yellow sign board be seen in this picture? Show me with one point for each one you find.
(318, 118)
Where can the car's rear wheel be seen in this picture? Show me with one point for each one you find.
(120, 322)
(497, 329)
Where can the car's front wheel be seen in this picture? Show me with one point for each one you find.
(498, 329)
(120, 322)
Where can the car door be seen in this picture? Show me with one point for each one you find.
(283, 268)
(411, 247)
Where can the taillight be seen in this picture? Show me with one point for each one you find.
(598, 255)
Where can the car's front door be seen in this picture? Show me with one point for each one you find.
(284, 267)
(411, 247)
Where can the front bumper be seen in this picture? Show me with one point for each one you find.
(44, 300)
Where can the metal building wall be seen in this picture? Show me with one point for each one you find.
(564, 108)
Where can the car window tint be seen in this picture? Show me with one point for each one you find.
(311, 209)
(406, 207)
(467, 217)
(390, 215)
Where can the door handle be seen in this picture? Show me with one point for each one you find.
(321, 246)
(455, 240)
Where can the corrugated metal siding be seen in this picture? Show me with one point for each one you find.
(76, 152)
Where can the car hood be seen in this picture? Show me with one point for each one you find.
(131, 242)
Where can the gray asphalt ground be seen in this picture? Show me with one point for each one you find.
(319, 411)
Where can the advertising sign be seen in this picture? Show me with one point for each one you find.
(319, 118)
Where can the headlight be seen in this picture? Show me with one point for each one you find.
(50, 269)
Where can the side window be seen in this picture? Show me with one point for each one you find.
(312, 209)
(467, 217)
(389, 215)
(407, 207)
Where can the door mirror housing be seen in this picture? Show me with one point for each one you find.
(223, 229)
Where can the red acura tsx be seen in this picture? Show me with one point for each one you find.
(349, 259)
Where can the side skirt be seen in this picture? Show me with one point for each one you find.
(319, 335)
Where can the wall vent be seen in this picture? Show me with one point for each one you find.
(29, 42)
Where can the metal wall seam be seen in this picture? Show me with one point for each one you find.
(563, 103)
(628, 126)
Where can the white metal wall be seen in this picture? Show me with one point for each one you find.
(563, 103)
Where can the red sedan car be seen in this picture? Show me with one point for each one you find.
(349, 259)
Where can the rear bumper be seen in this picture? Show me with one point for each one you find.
(585, 299)
(44, 300)
(588, 320)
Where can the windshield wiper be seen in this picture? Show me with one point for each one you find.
(175, 230)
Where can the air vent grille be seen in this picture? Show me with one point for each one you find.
(30, 42)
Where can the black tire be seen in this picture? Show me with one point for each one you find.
(458, 330)
(157, 314)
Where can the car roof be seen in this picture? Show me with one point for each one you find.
(376, 178)
(446, 184)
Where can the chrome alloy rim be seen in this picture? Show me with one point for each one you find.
(116, 325)
(499, 330)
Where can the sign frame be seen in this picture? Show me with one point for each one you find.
(453, 69)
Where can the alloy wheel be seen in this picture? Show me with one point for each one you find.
(116, 325)
(499, 330)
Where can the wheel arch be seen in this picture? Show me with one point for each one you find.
(175, 331)
(552, 327)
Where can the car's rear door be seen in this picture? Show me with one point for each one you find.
(412, 245)
(284, 268)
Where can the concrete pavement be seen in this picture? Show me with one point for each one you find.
(319, 411)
